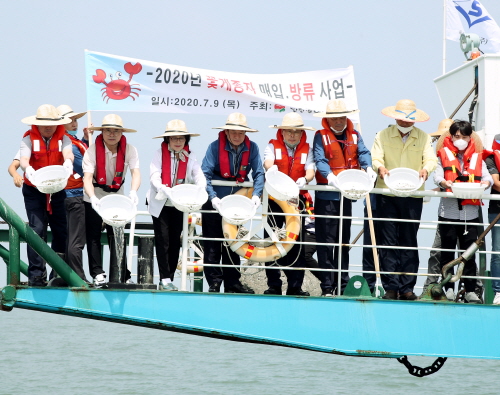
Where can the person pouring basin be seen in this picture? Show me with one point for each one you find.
(290, 154)
(104, 167)
(45, 144)
(229, 158)
(173, 164)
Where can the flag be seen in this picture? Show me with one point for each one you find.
(470, 16)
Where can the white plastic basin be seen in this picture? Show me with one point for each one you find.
(280, 186)
(403, 181)
(188, 197)
(50, 179)
(237, 209)
(117, 210)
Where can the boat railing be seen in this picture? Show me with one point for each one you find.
(188, 239)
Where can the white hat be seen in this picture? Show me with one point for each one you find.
(46, 115)
(236, 121)
(67, 111)
(335, 109)
(406, 110)
(292, 120)
(112, 121)
(176, 127)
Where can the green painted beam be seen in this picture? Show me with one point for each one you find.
(5, 254)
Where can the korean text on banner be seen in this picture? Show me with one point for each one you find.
(470, 16)
(117, 83)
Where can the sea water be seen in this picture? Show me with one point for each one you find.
(44, 353)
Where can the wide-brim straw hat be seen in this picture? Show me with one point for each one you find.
(112, 121)
(176, 127)
(67, 111)
(292, 120)
(406, 110)
(236, 121)
(443, 127)
(46, 115)
(335, 109)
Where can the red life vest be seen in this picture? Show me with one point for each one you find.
(472, 162)
(166, 167)
(293, 167)
(225, 166)
(82, 147)
(41, 155)
(100, 155)
(339, 159)
(496, 153)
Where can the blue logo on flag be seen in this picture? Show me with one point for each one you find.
(475, 12)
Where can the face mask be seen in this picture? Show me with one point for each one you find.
(461, 144)
(292, 146)
(72, 132)
(405, 130)
(338, 131)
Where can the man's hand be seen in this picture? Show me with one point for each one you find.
(18, 180)
(382, 172)
(446, 184)
(29, 172)
(371, 173)
(216, 204)
(423, 174)
(87, 134)
(68, 166)
(301, 182)
(133, 196)
(486, 184)
(272, 168)
(256, 201)
(333, 180)
(96, 203)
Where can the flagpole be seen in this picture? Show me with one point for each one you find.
(444, 36)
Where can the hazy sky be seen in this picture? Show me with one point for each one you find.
(395, 47)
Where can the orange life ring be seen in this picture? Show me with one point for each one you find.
(265, 254)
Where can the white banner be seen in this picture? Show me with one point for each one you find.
(470, 16)
(117, 83)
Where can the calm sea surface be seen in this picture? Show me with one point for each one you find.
(43, 353)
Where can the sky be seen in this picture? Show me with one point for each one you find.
(395, 47)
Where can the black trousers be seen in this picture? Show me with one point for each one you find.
(39, 218)
(93, 225)
(450, 233)
(327, 231)
(168, 229)
(401, 234)
(368, 262)
(310, 250)
(75, 214)
(214, 250)
(294, 258)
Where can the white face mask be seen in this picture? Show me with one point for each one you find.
(460, 144)
(405, 130)
(338, 131)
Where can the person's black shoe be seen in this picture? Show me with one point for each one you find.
(238, 289)
(390, 294)
(328, 293)
(408, 296)
(214, 287)
(38, 281)
(273, 291)
(296, 292)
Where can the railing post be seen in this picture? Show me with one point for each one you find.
(145, 259)
(185, 235)
(14, 268)
(339, 254)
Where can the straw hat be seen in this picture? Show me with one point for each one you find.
(444, 126)
(406, 110)
(236, 121)
(67, 111)
(176, 127)
(292, 120)
(335, 109)
(112, 121)
(46, 115)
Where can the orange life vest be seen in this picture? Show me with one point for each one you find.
(77, 182)
(339, 159)
(294, 167)
(41, 155)
(472, 166)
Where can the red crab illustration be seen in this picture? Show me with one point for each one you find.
(118, 89)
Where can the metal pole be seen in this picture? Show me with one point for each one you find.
(5, 255)
(444, 36)
(185, 234)
(198, 276)
(13, 274)
(339, 260)
(40, 247)
(145, 259)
